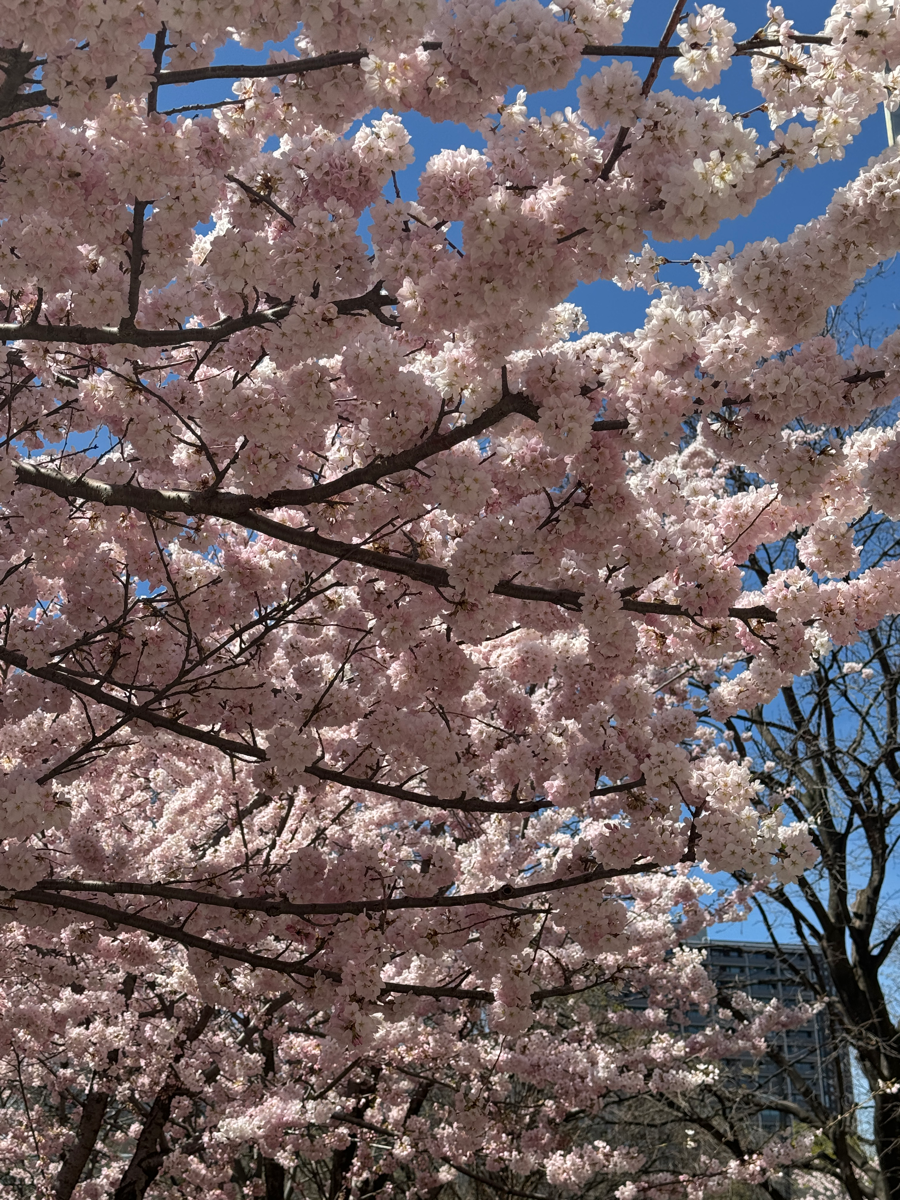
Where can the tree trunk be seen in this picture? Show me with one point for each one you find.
(147, 1159)
(273, 1175)
(887, 1141)
(93, 1110)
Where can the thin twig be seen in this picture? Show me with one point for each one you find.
(619, 145)
(260, 198)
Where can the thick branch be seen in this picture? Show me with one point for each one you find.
(272, 70)
(382, 467)
(134, 712)
(114, 916)
(237, 504)
(148, 1158)
(372, 301)
(18, 64)
(233, 507)
(141, 712)
(461, 803)
(135, 265)
(112, 335)
(752, 46)
(151, 1149)
(176, 933)
(620, 144)
(274, 906)
(322, 62)
(93, 1110)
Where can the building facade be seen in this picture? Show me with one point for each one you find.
(812, 1056)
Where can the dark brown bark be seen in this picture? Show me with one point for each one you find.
(274, 1178)
(93, 1110)
(887, 1141)
(149, 1153)
(151, 1149)
(18, 65)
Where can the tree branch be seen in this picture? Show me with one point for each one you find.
(134, 712)
(750, 46)
(619, 146)
(18, 64)
(342, 58)
(93, 1110)
(274, 906)
(135, 264)
(235, 504)
(151, 1150)
(372, 301)
(234, 507)
(459, 803)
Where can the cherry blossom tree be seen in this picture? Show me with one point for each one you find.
(352, 591)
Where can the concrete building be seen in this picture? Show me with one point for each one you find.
(814, 1051)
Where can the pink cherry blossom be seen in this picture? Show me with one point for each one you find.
(369, 624)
